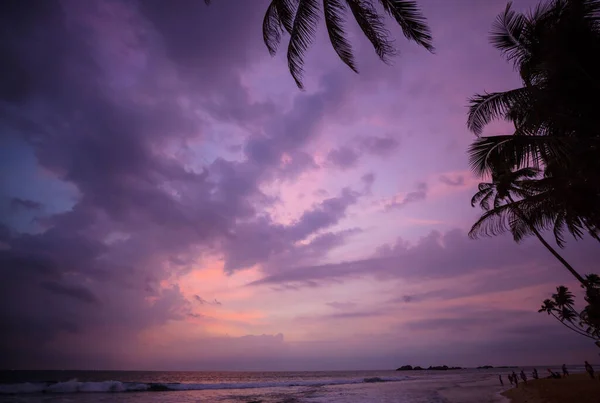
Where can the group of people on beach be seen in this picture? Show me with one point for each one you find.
(514, 379)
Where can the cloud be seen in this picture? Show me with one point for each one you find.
(379, 146)
(440, 255)
(342, 305)
(129, 91)
(400, 201)
(72, 291)
(457, 180)
(17, 203)
(259, 240)
(347, 157)
(321, 193)
(202, 301)
(343, 157)
(368, 179)
(354, 315)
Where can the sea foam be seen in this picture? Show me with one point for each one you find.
(74, 386)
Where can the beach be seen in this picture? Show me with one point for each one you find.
(577, 388)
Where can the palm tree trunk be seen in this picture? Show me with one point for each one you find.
(547, 245)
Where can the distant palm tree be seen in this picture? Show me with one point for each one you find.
(299, 18)
(561, 307)
(502, 213)
(555, 49)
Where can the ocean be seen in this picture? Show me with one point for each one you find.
(455, 386)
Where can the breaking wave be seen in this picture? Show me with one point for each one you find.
(74, 386)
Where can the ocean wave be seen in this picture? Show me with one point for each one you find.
(74, 386)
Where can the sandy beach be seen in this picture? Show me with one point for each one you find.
(578, 388)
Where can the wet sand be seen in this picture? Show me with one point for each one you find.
(577, 388)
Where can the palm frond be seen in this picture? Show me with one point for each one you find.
(334, 19)
(558, 230)
(303, 33)
(521, 226)
(493, 222)
(591, 12)
(487, 107)
(516, 151)
(508, 34)
(286, 9)
(271, 28)
(411, 20)
(482, 197)
(373, 26)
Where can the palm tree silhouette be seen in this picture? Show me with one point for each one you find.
(502, 213)
(554, 48)
(299, 18)
(561, 307)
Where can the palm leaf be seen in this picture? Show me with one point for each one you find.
(303, 33)
(286, 9)
(493, 222)
(517, 151)
(491, 106)
(334, 20)
(373, 26)
(486, 191)
(508, 34)
(411, 20)
(272, 28)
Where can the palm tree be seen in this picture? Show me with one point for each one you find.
(502, 213)
(299, 18)
(554, 48)
(591, 313)
(561, 307)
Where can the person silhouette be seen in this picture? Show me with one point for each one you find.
(524, 377)
(500, 378)
(589, 369)
(564, 371)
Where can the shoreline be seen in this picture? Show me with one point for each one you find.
(577, 388)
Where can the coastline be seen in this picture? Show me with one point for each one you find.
(577, 388)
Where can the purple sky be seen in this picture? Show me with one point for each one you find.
(170, 200)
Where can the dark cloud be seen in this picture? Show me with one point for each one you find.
(347, 157)
(343, 157)
(457, 180)
(368, 179)
(72, 291)
(102, 115)
(354, 315)
(379, 146)
(260, 240)
(202, 301)
(17, 203)
(125, 91)
(443, 256)
(417, 195)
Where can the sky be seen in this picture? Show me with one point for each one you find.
(170, 200)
